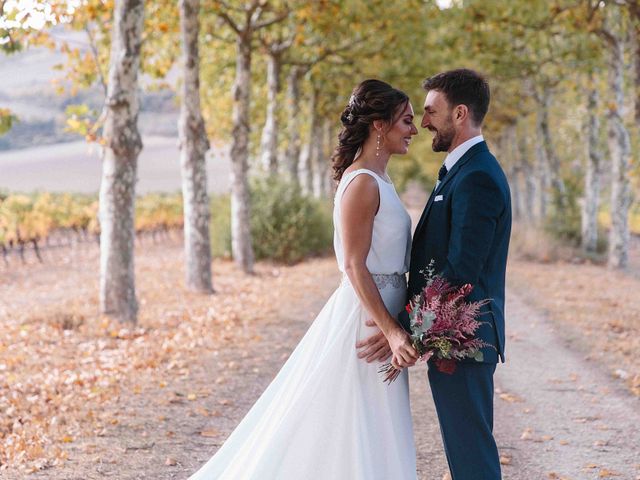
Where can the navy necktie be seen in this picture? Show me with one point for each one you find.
(442, 172)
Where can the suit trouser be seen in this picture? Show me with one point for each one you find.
(464, 403)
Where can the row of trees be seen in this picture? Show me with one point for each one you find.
(278, 72)
(119, 29)
(569, 67)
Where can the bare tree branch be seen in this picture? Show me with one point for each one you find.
(229, 21)
(268, 23)
(96, 57)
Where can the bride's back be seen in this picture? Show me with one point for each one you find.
(391, 239)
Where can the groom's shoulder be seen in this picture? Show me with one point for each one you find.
(485, 168)
(488, 163)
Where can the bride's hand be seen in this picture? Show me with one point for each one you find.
(404, 355)
(375, 347)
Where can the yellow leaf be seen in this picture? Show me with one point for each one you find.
(511, 398)
(526, 435)
(604, 473)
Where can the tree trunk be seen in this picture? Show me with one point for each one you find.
(293, 111)
(511, 158)
(307, 160)
(193, 147)
(637, 79)
(241, 247)
(119, 165)
(322, 161)
(269, 142)
(552, 160)
(529, 176)
(541, 169)
(591, 199)
(636, 61)
(620, 150)
(319, 170)
(331, 135)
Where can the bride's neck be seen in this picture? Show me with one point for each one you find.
(369, 160)
(378, 165)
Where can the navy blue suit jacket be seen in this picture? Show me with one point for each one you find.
(465, 229)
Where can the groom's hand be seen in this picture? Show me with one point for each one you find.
(404, 354)
(375, 347)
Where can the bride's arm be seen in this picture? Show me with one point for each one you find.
(358, 207)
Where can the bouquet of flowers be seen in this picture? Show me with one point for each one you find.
(443, 325)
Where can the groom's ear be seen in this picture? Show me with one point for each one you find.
(460, 114)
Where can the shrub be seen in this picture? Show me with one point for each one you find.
(286, 226)
(220, 226)
(564, 219)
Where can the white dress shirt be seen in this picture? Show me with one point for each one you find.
(460, 150)
(457, 153)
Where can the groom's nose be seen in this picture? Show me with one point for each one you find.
(425, 121)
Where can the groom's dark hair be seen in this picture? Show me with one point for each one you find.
(462, 87)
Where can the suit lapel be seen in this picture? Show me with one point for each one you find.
(477, 148)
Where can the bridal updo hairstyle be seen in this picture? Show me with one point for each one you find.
(371, 100)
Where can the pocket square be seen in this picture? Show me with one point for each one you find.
(438, 198)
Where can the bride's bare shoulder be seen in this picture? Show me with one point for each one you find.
(361, 191)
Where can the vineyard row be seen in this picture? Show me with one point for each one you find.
(33, 219)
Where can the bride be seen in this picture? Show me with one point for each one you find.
(328, 415)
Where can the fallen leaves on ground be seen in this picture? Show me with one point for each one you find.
(61, 362)
(597, 307)
(604, 473)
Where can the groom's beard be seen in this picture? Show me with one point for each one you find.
(443, 138)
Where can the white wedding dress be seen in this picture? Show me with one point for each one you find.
(328, 415)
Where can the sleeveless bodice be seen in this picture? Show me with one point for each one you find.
(391, 240)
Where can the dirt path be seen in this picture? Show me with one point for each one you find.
(558, 415)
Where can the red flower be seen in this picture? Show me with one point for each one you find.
(408, 308)
(466, 289)
(446, 365)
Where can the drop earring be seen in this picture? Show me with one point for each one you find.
(378, 145)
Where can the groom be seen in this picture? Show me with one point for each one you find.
(465, 229)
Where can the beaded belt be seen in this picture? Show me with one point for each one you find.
(382, 280)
